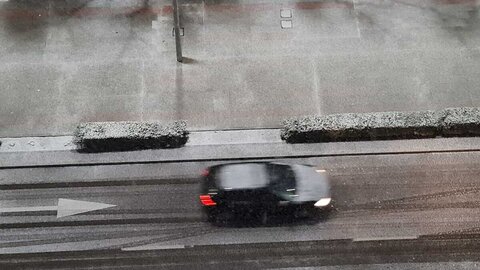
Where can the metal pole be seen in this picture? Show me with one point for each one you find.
(176, 20)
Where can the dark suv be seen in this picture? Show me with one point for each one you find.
(263, 189)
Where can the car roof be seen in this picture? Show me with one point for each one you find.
(246, 175)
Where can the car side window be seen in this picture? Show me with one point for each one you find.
(282, 180)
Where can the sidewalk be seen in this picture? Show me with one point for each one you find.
(216, 146)
(114, 61)
(216, 137)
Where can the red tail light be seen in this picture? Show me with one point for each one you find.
(207, 200)
(205, 172)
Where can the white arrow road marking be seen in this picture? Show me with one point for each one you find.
(28, 209)
(68, 207)
(64, 208)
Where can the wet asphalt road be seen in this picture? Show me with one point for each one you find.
(397, 200)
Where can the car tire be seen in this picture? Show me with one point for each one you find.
(222, 217)
(326, 212)
(211, 217)
(264, 217)
(321, 214)
(302, 212)
(208, 214)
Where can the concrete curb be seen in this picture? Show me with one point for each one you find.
(227, 152)
(65, 143)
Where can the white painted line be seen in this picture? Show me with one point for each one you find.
(149, 247)
(366, 239)
(316, 86)
(159, 246)
(359, 33)
(142, 92)
(28, 209)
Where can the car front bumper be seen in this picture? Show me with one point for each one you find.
(324, 202)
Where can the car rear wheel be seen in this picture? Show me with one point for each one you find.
(211, 217)
(221, 217)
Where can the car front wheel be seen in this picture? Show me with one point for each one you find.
(264, 217)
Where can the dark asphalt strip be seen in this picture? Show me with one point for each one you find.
(99, 222)
(272, 157)
(260, 256)
(161, 235)
(418, 202)
(102, 183)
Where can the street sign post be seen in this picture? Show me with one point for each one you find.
(176, 20)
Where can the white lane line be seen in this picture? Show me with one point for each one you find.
(28, 209)
(159, 246)
(72, 246)
(149, 247)
(366, 239)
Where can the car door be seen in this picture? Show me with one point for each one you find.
(282, 184)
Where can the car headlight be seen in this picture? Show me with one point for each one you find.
(323, 202)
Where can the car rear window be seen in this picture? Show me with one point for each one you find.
(242, 176)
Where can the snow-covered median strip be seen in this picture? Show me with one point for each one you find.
(127, 136)
(450, 122)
